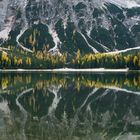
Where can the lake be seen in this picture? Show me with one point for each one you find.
(69, 106)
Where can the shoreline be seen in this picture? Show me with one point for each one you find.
(98, 70)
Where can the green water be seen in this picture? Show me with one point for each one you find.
(69, 106)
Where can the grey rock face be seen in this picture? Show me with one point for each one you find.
(104, 25)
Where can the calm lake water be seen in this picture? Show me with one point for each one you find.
(38, 106)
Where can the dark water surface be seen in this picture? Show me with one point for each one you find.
(39, 106)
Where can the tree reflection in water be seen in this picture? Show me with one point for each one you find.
(37, 106)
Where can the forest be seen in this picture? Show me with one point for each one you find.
(15, 58)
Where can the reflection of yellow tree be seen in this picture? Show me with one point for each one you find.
(100, 83)
(28, 79)
(39, 84)
(4, 83)
(78, 82)
(82, 81)
(18, 79)
(52, 81)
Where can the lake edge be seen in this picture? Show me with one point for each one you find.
(100, 70)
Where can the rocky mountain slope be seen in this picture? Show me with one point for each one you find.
(68, 25)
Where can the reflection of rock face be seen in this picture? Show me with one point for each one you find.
(53, 111)
(11, 122)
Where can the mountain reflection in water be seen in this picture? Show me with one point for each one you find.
(38, 106)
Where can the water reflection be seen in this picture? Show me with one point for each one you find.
(69, 106)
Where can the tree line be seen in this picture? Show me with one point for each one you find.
(44, 60)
